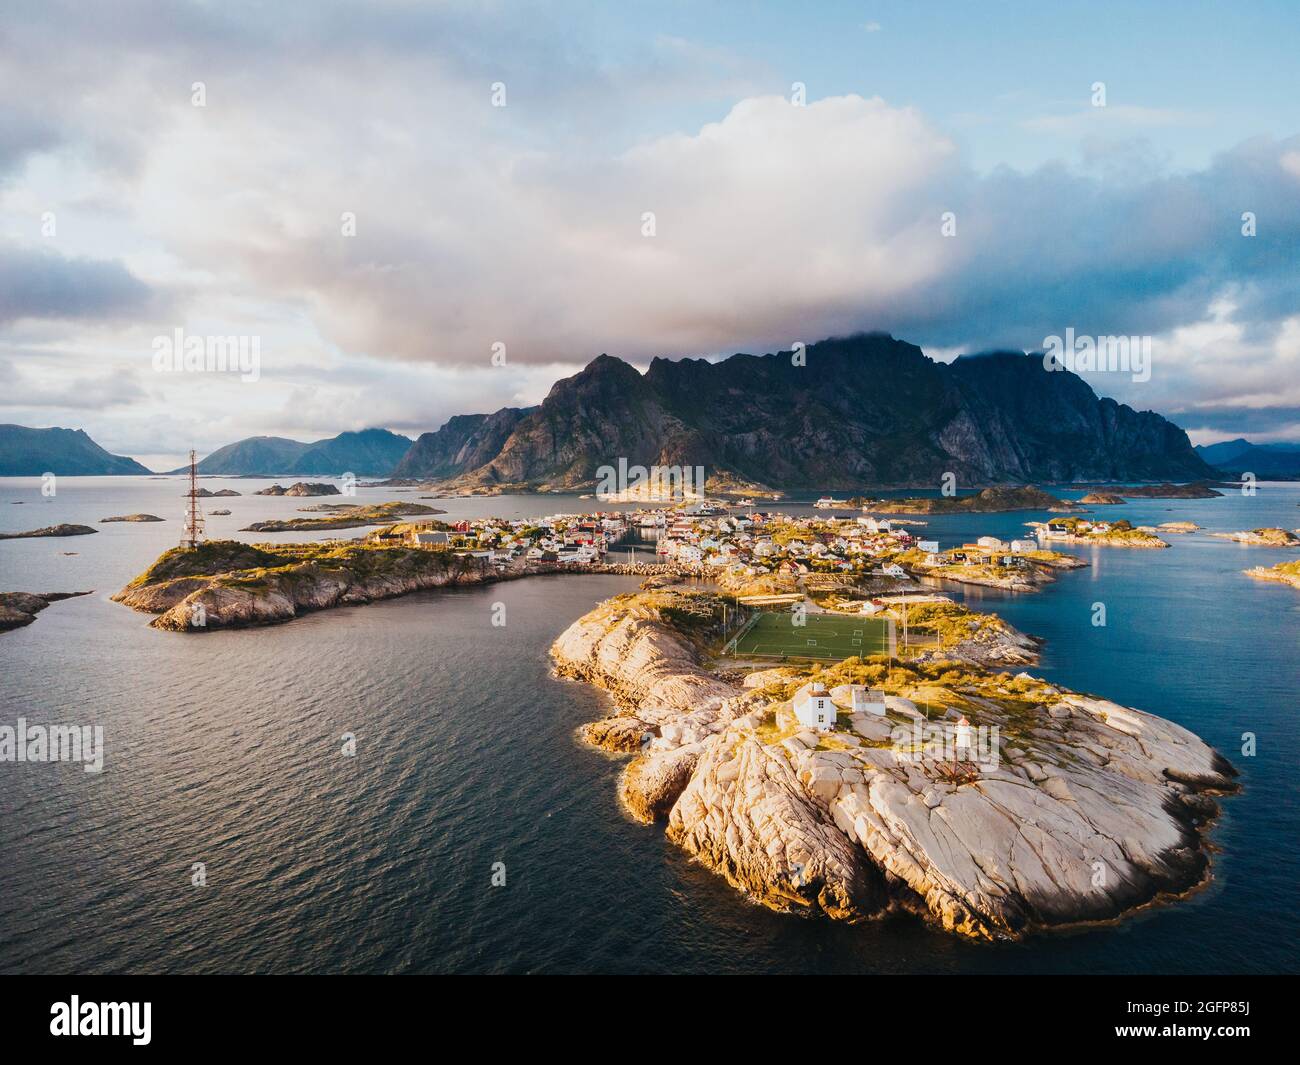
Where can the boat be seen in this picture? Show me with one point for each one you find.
(745, 503)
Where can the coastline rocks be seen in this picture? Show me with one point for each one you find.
(20, 608)
(51, 530)
(1262, 538)
(1282, 573)
(746, 816)
(1085, 809)
(227, 584)
(301, 488)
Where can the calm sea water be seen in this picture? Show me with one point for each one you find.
(224, 749)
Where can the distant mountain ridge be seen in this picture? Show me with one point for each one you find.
(861, 410)
(372, 452)
(26, 452)
(1263, 460)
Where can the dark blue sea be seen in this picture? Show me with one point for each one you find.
(225, 748)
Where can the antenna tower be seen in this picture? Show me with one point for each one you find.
(193, 531)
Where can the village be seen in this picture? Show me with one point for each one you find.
(767, 554)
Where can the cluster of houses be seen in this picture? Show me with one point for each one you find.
(1064, 528)
(562, 539)
(986, 551)
(752, 545)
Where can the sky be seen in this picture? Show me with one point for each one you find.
(421, 210)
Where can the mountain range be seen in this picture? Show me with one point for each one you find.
(847, 413)
(372, 452)
(854, 411)
(28, 452)
(1263, 460)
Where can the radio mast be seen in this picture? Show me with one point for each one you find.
(193, 531)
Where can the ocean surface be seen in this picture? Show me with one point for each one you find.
(225, 748)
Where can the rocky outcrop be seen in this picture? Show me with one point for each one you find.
(746, 815)
(132, 517)
(301, 488)
(1282, 573)
(1262, 538)
(20, 608)
(50, 530)
(1077, 810)
(226, 584)
(345, 517)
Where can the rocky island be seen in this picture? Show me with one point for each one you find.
(1026, 571)
(1282, 573)
(20, 608)
(1192, 490)
(346, 516)
(50, 530)
(1079, 810)
(228, 584)
(996, 500)
(301, 488)
(1262, 538)
(1120, 533)
(132, 517)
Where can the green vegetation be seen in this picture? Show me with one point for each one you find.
(823, 636)
(989, 501)
(351, 518)
(234, 564)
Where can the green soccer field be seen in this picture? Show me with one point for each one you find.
(824, 636)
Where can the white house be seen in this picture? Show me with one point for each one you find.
(867, 700)
(991, 542)
(813, 706)
(929, 546)
(1019, 547)
(893, 569)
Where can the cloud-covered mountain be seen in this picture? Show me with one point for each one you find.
(864, 410)
(372, 452)
(28, 452)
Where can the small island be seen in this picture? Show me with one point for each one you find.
(1282, 573)
(208, 493)
(1024, 570)
(20, 608)
(1192, 490)
(1262, 538)
(1120, 533)
(301, 488)
(1102, 499)
(840, 790)
(132, 517)
(996, 500)
(345, 516)
(50, 530)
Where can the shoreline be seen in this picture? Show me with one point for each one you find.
(835, 824)
(236, 585)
